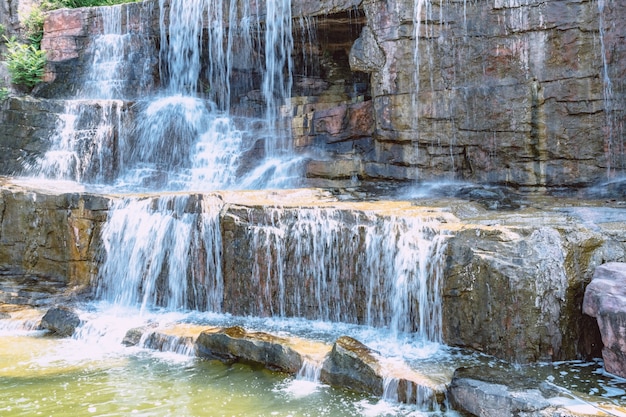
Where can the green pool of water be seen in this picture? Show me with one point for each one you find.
(54, 377)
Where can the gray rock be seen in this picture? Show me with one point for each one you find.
(61, 321)
(236, 344)
(366, 55)
(353, 365)
(490, 392)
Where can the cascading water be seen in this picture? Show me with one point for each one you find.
(183, 137)
(91, 126)
(383, 272)
(231, 44)
(162, 252)
(421, 12)
(277, 80)
(380, 272)
(81, 149)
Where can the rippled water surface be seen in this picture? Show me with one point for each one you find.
(93, 374)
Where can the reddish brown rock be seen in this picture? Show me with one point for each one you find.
(605, 299)
(62, 28)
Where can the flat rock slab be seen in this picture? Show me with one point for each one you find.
(492, 392)
(236, 344)
(605, 299)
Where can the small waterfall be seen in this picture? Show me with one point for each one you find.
(83, 147)
(310, 371)
(421, 12)
(114, 70)
(277, 78)
(383, 272)
(162, 252)
(181, 44)
(396, 390)
(204, 155)
(615, 147)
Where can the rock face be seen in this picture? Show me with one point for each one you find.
(510, 283)
(48, 240)
(517, 290)
(61, 321)
(530, 94)
(605, 299)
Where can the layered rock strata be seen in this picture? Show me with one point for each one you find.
(529, 94)
(512, 282)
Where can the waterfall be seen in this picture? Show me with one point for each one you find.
(420, 8)
(316, 263)
(615, 148)
(277, 78)
(82, 148)
(383, 272)
(162, 252)
(115, 72)
(184, 136)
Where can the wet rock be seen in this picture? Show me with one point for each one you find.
(490, 198)
(61, 321)
(353, 365)
(48, 243)
(489, 392)
(236, 344)
(366, 55)
(514, 291)
(176, 343)
(605, 299)
(133, 336)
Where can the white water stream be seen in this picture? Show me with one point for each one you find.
(183, 135)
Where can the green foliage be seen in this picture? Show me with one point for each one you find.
(25, 63)
(4, 93)
(3, 31)
(34, 27)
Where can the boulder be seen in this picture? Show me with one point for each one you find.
(61, 321)
(133, 336)
(234, 344)
(605, 299)
(353, 365)
(164, 342)
(490, 392)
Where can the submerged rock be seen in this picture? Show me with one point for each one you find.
(61, 321)
(605, 299)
